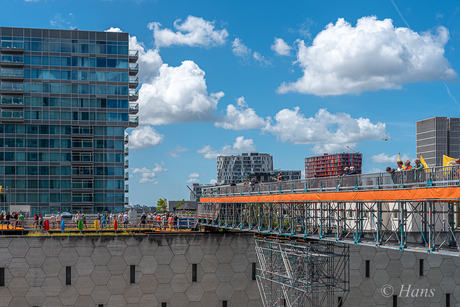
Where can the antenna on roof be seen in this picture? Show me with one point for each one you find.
(352, 149)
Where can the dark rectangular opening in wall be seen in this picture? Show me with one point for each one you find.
(2, 277)
(164, 304)
(420, 273)
(68, 276)
(132, 274)
(395, 301)
(368, 266)
(447, 299)
(254, 266)
(224, 303)
(100, 305)
(340, 301)
(194, 267)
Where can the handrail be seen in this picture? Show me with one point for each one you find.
(428, 177)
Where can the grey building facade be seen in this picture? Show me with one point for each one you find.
(235, 167)
(66, 99)
(438, 136)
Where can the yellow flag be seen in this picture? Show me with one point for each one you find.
(448, 160)
(399, 159)
(423, 162)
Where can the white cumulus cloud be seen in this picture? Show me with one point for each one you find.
(261, 59)
(175, 152)
(194, 32)
(328, 132)
(144, 137)
(149, 175)
(149, 60)
(371, 56)
(240, 117)
(193, 177)
(239, 146)
(113, 29)
(177, 95)
(280, 47)
(391, 160)
(240, 49)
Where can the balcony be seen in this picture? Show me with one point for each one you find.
(12, 87)
(133, 108)
(126, 188)
(127, 176)
(126, 139)
(133, 95)
(12, 116)
(12, 102)
(126, 200)
(12, 46)
(12, 74)
(12, 60)
(126, 163)
(133, 56)
(133, 121)
(133, 69)
(133, 81)
(126, 151)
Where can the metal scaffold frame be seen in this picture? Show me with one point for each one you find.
(430, 226)
(296, 274)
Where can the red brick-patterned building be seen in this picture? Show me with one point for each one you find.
(332, 165)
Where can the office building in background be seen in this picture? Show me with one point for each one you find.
(332, 165)
(438, 136)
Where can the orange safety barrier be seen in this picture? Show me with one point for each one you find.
(451, 194)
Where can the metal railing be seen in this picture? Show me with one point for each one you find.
(133, 52)
(29, 224)
(434, 176)
(134, 107)
(134, 66)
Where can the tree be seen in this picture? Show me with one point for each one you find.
(180, 203)
(161, 205)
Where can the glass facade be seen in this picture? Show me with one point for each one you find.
(66, 98)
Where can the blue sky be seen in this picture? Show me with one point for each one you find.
(288, 78)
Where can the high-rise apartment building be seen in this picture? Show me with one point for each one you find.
(438, 136)
(236, 167)
(66, 99)
(332, 165)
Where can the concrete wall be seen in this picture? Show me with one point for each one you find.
(35, 270)
(401, 269)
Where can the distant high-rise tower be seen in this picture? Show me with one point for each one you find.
(438, 136)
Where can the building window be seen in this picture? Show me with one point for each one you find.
(194, 268)
(132, 274)
(254, 266)
(368, 264)
(447, 299)
(224, 303)
(164, 304)
(420, 267)
(395, 301)
(68, 277)
(2, 277)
